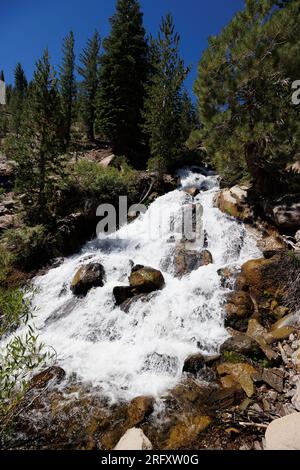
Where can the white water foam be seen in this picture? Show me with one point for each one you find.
(143, 351)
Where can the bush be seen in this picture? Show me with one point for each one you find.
(27, 245)
(107, 184)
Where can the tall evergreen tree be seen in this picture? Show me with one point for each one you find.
(249, 125)
(67, 84)
(89, 70)
(38, 148)
(18, 96)
(122, 79)
(164, 101)
(2, 75)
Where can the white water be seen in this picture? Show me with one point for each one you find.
(112, 349)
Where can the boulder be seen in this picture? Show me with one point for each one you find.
(144, 298)
(134, 439)
(192, 191)
(87, 277)
(194, 364)
(241, 344)
(185, 432)
(187, 260)
(122, 293)
(240, 373)
(161, 364)
(233, 202)
(284, 433)
(239, 307)
(53, 374)
(289, 321)
(145, 279)
(257, 276)
(285, 212)
(139, 409)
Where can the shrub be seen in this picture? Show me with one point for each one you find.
(27, 245)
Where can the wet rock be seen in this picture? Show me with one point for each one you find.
(129, 303)
(239, 307)
(241, 374)
(241, 344)
(256, 273)
(187, 260)
(227, 276)
(274, 378)
(139, 409)
(87, 277)
(184, 433)
(192, 191)
(134, 439)
(146, 279)
(194, 364)
(122, 293)
(53, 374)
(160, 363)
(283, 433)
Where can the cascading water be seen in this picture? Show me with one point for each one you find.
(142, 352)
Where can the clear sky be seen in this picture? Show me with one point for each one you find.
(28, 26)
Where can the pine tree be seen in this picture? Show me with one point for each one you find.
(2, 75)
(165, 99)
(122, 79)
(249, 125)
(89, 70)
(37, 150)
(67, 84)
(18, 97)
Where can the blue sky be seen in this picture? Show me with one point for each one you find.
(28, 26)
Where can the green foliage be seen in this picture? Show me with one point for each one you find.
(123, 75)
(89, 59)
(27, 245)
(233, 357)
(106, 184)
(167, 108)
(13, 310)
(17, 100)
(38, 148)
(67, 84)
(248, 122)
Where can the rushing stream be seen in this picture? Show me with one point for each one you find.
(142, 352)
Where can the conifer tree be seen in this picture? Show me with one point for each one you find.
(18, 97)
(89, 70)
(2, 75)
(67, 84)
(37, 150)
(122, 79)
(164, 102)
(249, 125)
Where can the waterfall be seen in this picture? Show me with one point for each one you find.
(142, 352)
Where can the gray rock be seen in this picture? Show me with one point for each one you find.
(284, 433)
